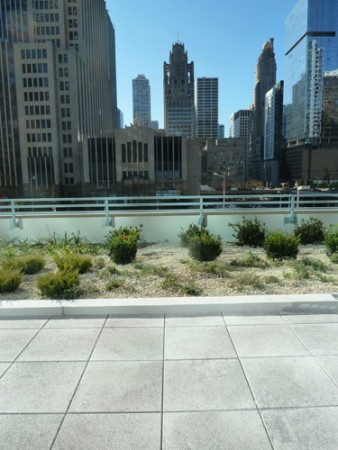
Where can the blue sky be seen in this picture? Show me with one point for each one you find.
(222, 37)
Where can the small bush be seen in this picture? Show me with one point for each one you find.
(123, 245)
(193, 230)
(315, 264)
(113, 284)
(280, 246)
(151, 269)
(205, 247)
(249, 232)
(98, 263)
(216, 268)
(245, 280)
(107, 271)
(334, 258)
(310, 231)
(10, 280)
(59, 284)
(331, 240)
(249, 260)
(70, 262)
(29, 264)
(191, 290)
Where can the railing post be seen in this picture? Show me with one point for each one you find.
(108, 221)
(14, 220)
(201, 219)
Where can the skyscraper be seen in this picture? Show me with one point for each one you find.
(141, 102)
(179, 110)
(57, 87)
(207, 108)
(312, 47)
(265, 79)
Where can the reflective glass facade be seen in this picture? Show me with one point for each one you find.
(311, 48)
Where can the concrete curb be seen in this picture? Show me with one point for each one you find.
(234, 305)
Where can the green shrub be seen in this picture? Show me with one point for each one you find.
(10, 280)
(72, 262)
(246, 280)
(205, 247)
(29, 264)
(123, 244)
(278, 245)
(310, 231)
(249, 232)
(114, 283)
(108, 270)
(193, 230)
(249, 260)
(331, 240)
(59, 284)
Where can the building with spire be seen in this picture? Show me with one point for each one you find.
(178, 87)
(265, 79)
(141, 102)
(57, 88)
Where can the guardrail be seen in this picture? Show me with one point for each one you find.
(42, 215)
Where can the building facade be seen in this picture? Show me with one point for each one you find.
(60, 88)
(265, 79)
(179, 109)
(312, 47)
(207, 108)
(141, 102)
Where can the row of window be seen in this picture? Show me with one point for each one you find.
(67, 139)
(69, 180)
(72, 10)
(35, 68)
(45, 17)
(127, 175)
(46, 4)
(67, 152)
(36, 96)
(65, 99)
(64, 85)
(38, 53)
(65, 112)
(47, 30)
(134, 152)
(68, 168)
(37, 110)
(55, 42)
(63, 72)
(38, 123)
(63, 58)
(35, 82)
(66, 125)
(39, 137)
(39, 151)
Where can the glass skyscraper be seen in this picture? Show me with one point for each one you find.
(311, 48)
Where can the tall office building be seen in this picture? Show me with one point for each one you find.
(207, 108)
(330, 107)
(141, 102)
(57, 87)
(179, 109)
(265, 79)
(312, 47)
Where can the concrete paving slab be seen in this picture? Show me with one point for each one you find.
(61, 345)
(235, 430)
(110, 432)
(39, 387)
(136, 321)
(125, 344)
(120, 387)
(266, 340)
(175, 320)
(310, 318)
(330, 365)
(198, 343)
(3, 368)
(321, 339)
(303, 429)
(13, 342)
(207, 385)
(254, 320)
(23, 323)
(289, 382)
(76, 322)
(28, 432)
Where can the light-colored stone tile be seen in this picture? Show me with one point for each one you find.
(28, 432)
(3, 368)
(266, 340)
(205, 385)
(173, 320)
(198, 343)
(124, 344)
(310, 318)
(240, 430)
(303, 429)
(330, 365)
(13, 342)
(321, 339)
(120, 387)
(76, 322)
(61, 345)
(110, 432)
(24, 323)
(253, 320)
(135, 321)
(289, 382)
(39, 387)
